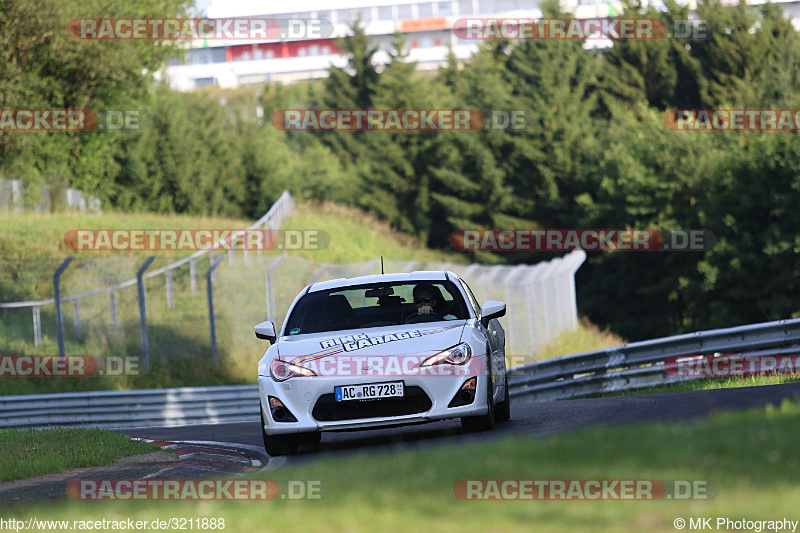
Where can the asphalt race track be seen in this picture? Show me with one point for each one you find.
(536, 419)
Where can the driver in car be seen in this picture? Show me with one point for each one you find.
(427, 302)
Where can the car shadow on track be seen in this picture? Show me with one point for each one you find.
(414, 436)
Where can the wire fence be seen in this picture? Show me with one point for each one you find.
(207, 302)
(14, 196)
(540, 299)
(117, 306)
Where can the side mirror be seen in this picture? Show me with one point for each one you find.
(491, 309)
(266, 331)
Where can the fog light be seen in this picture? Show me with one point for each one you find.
(279, 411)
(466, 394)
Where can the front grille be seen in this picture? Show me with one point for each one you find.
(327, 409)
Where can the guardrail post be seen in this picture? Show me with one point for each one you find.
(210, 292)
(113, 309)
(143, 314)
(211, 261)
(77, 318)
(264, 228)
(37, 326)
(270, 303)
(168, 280)
(57, 291)
(193, 275)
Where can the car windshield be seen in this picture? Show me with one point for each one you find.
(375, 305)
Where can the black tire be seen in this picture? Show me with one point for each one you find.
(279, 444)
(310, 438)
(502, 412)
(485, 422)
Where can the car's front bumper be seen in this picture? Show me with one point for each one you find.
(301, 395)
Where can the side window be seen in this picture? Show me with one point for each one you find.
(471, 297)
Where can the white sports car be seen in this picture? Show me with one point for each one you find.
(383, 350)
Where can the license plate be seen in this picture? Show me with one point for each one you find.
(369, 391)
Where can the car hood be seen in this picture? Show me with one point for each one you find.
(409, 339)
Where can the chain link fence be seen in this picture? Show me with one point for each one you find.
(118, 306)
(14, 196)
(540, 299)
(204, 306)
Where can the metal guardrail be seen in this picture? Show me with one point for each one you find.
(640, 364)
(626, 367)
(127, 409)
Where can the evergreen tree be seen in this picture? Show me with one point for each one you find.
(396, 177)
(353, 87)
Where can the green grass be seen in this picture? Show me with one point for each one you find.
(354, 235)
(712, 383)
(29, 236)
(357, 236)
(586, 338)
(749, 456)
(28, 453)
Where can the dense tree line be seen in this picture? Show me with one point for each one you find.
(595, 152)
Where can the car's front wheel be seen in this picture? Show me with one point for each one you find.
(481, 422)
(502, 412)
(278, 444)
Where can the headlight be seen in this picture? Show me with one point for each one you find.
(281, 370)
(457, 355)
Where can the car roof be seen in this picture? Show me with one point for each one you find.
(418, 275)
